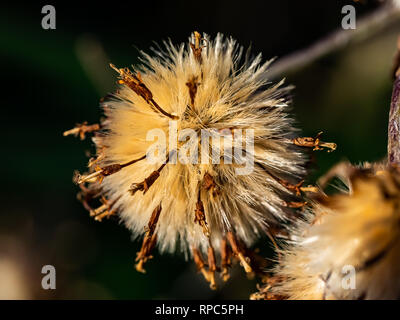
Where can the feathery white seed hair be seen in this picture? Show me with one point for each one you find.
(229, 95)
(360, 229)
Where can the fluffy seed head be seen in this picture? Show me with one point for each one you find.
(356, 233)
(204, 87)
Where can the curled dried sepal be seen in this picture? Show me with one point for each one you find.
(212, 267)
(314, 143)
(226, 254)
(135, 83)
(149, 241)
(244, 261)
(208, 181)
(86, 195)
(145, 184)
(210, 185)
(253, 263)
(264, 291)
(200, 217)
(81, 129)
(200, 264)
(196, 47)
(294, 204)
(104, 211)
(298, 188)
(148, 182)
(192, 85)
(100, 173)
(100, 156)
(105, 214)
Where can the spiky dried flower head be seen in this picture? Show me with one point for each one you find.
(204, 207)
(350, 246)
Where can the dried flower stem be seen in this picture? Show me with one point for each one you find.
(366, 27)
(394, 117)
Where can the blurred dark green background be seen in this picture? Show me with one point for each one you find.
(52, 79)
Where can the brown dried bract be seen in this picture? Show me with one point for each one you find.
(193, 84)
(135, 83)
(264, 292)
(314, 143)
(208, 181)
(200, 264)
(86, 195)
(294, 204)
(209, 184)
(200, 217)
(146, 183)
(105, 210)
(298, 188)
(149, 241)
(100, 173)
(257, 261)
(196, 47)
(100, 156)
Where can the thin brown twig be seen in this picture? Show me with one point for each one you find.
(367, 26)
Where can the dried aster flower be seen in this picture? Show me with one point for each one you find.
(212, 205)
(350, 246)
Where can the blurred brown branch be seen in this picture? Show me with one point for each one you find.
(367, 26)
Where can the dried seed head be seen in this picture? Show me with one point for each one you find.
(350, 247)
(202, 87)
